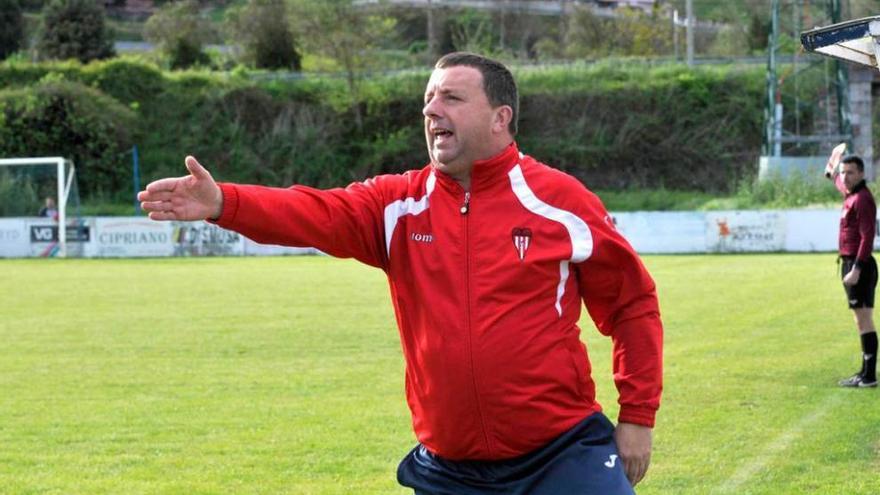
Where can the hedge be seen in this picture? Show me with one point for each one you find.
(613, 125)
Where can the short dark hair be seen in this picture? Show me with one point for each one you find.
(498, 83)
(854, 159)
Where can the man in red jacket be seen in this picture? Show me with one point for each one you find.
(858, 222)
(489, 256)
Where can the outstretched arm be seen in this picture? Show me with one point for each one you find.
(192, 197)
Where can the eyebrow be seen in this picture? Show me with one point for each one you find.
(443, 91)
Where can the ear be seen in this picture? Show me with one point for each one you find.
(501, 119)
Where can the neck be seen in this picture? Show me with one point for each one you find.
(463, 177)
(858, 185)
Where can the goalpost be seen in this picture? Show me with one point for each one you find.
(65, 173)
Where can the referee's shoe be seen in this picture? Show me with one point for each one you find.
(857, 381)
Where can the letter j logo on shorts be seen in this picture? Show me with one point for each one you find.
(522, 237)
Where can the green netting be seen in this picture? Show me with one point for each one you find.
(25, 188)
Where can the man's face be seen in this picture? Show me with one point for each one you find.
(459, 120)
(851, 175)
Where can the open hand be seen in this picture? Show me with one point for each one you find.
(192, 197)
(831, 168)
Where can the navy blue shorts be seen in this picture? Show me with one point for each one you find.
(583, 461)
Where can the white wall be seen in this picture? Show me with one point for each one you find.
(648, 232)
(735, 231)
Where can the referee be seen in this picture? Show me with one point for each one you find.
(858, 268)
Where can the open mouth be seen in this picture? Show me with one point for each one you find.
(441, 134)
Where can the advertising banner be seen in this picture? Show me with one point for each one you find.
(205, 239)
(745, 231)
(14, 240)
(253, 248)
(43, 237)
(648, 232)
(131, 237)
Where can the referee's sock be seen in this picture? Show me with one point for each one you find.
(869, 356)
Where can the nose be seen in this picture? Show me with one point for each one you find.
(431, 109)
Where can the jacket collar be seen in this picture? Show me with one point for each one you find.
(486, 172)
(858, 187)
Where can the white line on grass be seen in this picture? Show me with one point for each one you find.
(779, 445)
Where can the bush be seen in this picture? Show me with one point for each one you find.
(615, 127)
(11, 27)
(126, 80)
(180, 33)
(58, 117)
(74, 29)
(620, 128)
(262, 29)
(793, 191)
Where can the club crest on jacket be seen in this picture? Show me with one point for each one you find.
(522, 237)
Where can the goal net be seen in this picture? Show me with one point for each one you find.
(44, 191)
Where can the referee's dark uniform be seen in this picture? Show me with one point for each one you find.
(858, 221)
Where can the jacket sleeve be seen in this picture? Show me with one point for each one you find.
(621, 298)
(346, 223)
(867, 215)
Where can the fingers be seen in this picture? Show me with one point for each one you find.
(156, 205)
(635, 469)
(172, 183)
(634, 446)
(159, 210)
(196, 169)
(147, 196)
(169, 184)
(192, 197)
(834, 159)
(162, 215)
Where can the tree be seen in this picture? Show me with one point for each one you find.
(179, 31)
(74, 29)
(11, 27)
(263, 30)
(759, 33)
(631, 33)
(471, 31)
(349, 34)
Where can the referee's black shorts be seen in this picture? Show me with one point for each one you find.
(860, 295)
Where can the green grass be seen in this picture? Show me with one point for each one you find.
(775, 193)
(284, 375)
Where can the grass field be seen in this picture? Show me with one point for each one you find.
(284, 375)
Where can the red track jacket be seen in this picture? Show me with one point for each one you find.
(487, 289)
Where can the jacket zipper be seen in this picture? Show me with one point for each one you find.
(465, 208)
